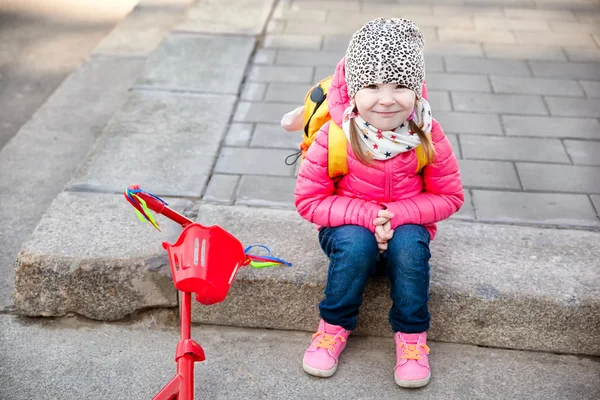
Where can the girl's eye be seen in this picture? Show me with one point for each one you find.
(400, 87)
(372, 87)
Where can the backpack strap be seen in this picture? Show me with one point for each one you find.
(337, 157)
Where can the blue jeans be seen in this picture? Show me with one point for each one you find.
(354, 258)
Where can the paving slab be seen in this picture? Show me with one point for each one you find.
(524, 52)
(557, 87)
(557, 127)
(180, 63)
(473, 65)
(221, 188)
(251, 364)
(177, 139)
(253, 161)
(486, 287)
(499, 103)
(465, 122)
(535, 208)
(565, 70)
(566, 107)
(105, 273)
(489, 174)
(559, 178)
(245, 17)
(60, 133)
(266, 191)
(141, 32)
(513, 148)
(583, 152)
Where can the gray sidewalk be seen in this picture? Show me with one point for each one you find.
(516, 88)
(514, 84)
(72, 359)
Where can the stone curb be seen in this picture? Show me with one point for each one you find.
(491, 285)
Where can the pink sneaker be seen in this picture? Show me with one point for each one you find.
(412, 364)
(321, 357)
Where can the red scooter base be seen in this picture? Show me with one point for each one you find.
(181, 387)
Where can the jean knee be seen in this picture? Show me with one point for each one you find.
(410, 243)
(350, 244)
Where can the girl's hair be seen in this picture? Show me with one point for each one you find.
(425, 155)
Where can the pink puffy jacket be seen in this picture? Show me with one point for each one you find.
(422, 199)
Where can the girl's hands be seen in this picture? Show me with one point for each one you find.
(383, 229)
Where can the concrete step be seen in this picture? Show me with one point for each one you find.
(72, 359)
(46, 152)
(492, 285)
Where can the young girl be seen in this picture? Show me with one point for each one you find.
(402, 178)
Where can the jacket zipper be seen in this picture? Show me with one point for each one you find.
(388, 180)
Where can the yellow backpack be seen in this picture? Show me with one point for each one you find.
(316, 114)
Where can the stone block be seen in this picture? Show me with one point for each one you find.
(290, 41)
(253, 91)
(524, 52)
(566, 107)
(237, 160)
(434, 63)
(475, 36)
(557, 87)
(466, 212)
(60, 133)
(261, 112)
(176, 64)
(489, 174)
(574, 27)
(556, 39)
(485, 66)
(513, 149)
(586, 128)
(239, 134)
(581, 54)
(336, 42)
(565, 70)
(592, 89)
(583, 152)
(221, 188)
(288, 93)
(559, 178)
(540, 14)
(499, 103)
(232, 17)
(90, 255)
(300, 15)
(274, 136)
(175, 137)
(309, 58)
(458, 82)
(596, 201)
(439, 100)
(475, 123)
(453, 49)
(535, 208)
(453, 9)
(266, 191)
(264, 56)
(140, 33)
(279, 73)
(509, 25)
(474, 298)
(454, 143)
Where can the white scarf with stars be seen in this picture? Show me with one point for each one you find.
(383, 145)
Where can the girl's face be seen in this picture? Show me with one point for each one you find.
(385, 106)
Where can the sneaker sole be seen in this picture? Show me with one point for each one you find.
(412, 384)
(321, 373)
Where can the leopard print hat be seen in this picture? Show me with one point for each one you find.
(386, 51)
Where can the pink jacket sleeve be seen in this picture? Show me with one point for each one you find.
(315, 198)
(442, 193)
